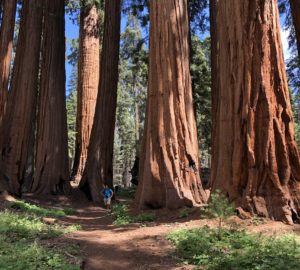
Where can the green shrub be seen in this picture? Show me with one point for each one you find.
(144, 217)
(126, 193)
(23, 255)
(236, 250)
(120, 213)
(185, 212)
(122, 216)
(69, 211)
(20, 226)
(20, 234)
(15, 225)
(41, 211)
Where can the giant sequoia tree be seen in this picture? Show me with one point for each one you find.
(295, 10)
(99, 163)
(169, 166)
(6, 42)
(51, 167)
(256, 161)
(87, 86)
(18, 121)
(213, 10)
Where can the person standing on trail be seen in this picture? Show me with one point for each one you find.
(107, 195)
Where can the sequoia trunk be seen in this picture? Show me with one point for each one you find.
(87, 87)
(169, 167)
(98, 167)
(256, 161)
(213, 8)
(295, 10)
(136, 117)
(51, 168)
(6, 42)
(21, 109)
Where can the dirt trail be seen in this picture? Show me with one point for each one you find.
(133, 247)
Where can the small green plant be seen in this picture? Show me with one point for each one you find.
(69, 211)
(185, 212)
(237, 249)
(122, 216)
(219, 207)
(41, 211)
(72, 228)
(144, 217)
(120, 213)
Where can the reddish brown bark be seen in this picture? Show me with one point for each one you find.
(295, 10)
(87, 87)
(51, 167)
(21, 110)
(6, 41)
(213, 9)
(99, 168)
(256, 162)
(168, 174)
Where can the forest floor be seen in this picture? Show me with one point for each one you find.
(137, 246)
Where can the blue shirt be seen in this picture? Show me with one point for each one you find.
(107, 193)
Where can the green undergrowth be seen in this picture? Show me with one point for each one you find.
(41, 211)
(236, 249)
(126, 193)
(21, 237)
(186, 212)
(122, 216)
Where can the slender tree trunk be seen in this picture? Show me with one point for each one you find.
(126, 175)
(51, 168)
(295, 10)
(213, 9)
(6, 41)
(256, 161)
(169, 167)
(137, 116)
(99, 165)
(21, 109)
(87, 87)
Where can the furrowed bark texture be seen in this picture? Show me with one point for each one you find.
(169, 167)
(21, 109)
(256, 161)
(213, 9)
(295, 10)
(88, 81)
(99, 165)
(6, 42)
(51, 168)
